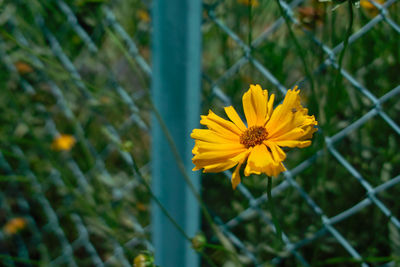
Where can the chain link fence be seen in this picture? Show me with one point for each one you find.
(321, 226)
(57, 234)
(68, 65)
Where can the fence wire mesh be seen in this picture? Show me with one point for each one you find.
(325, 225)
(90, 206)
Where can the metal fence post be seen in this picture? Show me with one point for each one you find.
(176, 95)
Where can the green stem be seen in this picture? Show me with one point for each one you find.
(345, 43)
(271, 208)
(250, 20)
(300, 51)
(181, 165)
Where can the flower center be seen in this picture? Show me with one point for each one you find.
(253, 136)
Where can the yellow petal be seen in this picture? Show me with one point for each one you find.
(270, 105)
(236, 176)
(212, 157)
(277, 153)
(195, 168)
(294, 134)
(261, 161)
(255, 105)
(206, 146)
(293, 143)
(300, 131)
(213, 137)
(233, 116)
(220, 164)
(220, 167)
(283, 113)
(195, 150)
(220, 125)
(290, 121)
(310, 129)
(215, 154)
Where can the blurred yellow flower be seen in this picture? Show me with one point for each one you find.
(63, 142)
(226, 144)
(142, 260)
(14, 225)
(23, 68)
(143, 15)
(198, 242)
(139, 261)
(311, 17)
(254, 3)
(370, 9)
(369, 6)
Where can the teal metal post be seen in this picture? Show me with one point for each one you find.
(176, 95)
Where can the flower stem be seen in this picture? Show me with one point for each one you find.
(250, 37)
(181, 166)
(165, 211)
(207, 216)
(271, 208)
(345, 43)
(300, 51)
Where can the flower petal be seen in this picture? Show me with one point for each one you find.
(220, 125)
(294, 134)
(277, 153)
(213, 137)
(216, 156)
(236, 176)
(290, 121)
(282, 113)
(207, 146)
(233, 116)
(293, 143)
(270, 106)
(255, 105)
(220, 167)
(195, 150)
(220, 164)
(262, 161)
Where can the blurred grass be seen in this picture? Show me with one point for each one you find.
(113, 201)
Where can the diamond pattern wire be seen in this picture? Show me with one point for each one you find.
(82, 240)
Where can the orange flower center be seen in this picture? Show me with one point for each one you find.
(253, 136)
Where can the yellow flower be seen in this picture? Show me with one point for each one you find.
(23, 68)
(369, 6)
(144, 15)
(63, 142)
(226, 144)
(143, 260)
(15, 225)
(370, 9)
(249, 2)
(198, 242)
(311, 17)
